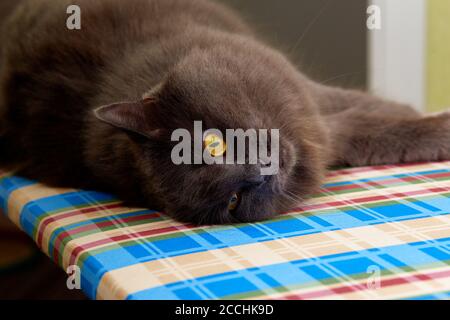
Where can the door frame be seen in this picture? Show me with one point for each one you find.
(397, 52)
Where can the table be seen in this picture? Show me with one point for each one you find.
(370, 233)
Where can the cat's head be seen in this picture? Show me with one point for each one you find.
(214, 90)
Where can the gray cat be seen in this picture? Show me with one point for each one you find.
(154, 66)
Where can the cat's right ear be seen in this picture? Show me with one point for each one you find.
(139, 117)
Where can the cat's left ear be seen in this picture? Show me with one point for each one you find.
(138, 117)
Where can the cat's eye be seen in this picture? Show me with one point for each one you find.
(234, 202)
(214, 144)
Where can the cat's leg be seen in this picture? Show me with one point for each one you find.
(376, 138)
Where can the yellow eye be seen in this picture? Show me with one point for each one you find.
(234, 202)
(215, 146)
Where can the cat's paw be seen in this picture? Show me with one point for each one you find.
(441, 114)
(440, 137)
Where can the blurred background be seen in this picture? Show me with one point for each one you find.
(405, 60)
(327, 38)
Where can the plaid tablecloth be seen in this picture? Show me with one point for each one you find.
(374, 232)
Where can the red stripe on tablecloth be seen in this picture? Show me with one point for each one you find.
(50, 219)
(79, 249)
(63, 235)
(367, 199)
(358, 170)
(385, 182)
(359, 287)
(348, 171)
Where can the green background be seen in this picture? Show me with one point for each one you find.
(438, 55)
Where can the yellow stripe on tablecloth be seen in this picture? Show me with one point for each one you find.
(353, 174)
(19, 198)
(61, 223)
(387, 191)
(398, 291)
(101, 235)
(119, 283)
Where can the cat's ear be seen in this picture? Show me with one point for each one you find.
(139, 117)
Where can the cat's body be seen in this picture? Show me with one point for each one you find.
(189, 60)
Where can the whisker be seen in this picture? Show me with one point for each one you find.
(308, 27)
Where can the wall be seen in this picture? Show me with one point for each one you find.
(327, 38)
(438, 55)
